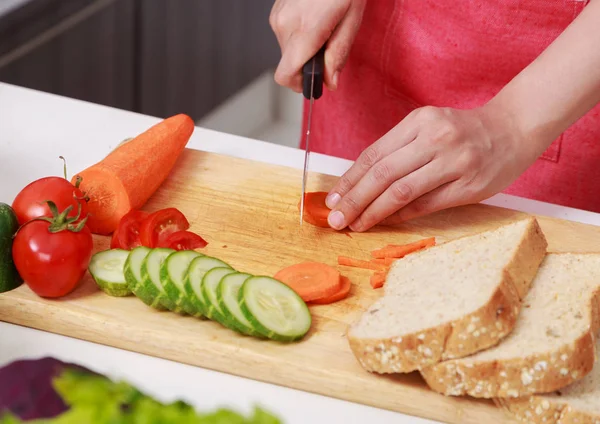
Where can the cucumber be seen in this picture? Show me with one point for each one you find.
(274, 309)
(172, 273)
(133, 276)
(151, 279)
(192, 281)
(107, 270)
(227, 295)
(210, 282)
(9, 276)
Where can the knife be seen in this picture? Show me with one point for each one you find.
(312, 89)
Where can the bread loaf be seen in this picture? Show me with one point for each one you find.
(552, 345)
(577, 403)
(450, 300)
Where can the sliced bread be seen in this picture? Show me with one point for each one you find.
(576, 403)
(449, 300)
(551, 346)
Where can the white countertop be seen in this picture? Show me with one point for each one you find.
(35, 128)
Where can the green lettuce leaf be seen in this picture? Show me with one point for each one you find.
(96, 399)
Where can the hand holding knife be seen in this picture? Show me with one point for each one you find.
(313, 73)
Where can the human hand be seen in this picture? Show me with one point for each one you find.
(434, 159)
(302, 27)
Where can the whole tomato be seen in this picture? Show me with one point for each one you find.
(31, 203)
(52, 253)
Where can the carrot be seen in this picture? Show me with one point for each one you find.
(317, 222)
(399, 251)
(342, 293)
(311, 280)
(384, 261)
(314, 203)
(358, 263)
(131, 173)
(315, 210)
(377, 280)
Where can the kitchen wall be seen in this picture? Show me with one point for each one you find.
(157, 57)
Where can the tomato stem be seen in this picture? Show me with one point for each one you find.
(54, 209)
(84, 197)
(81, 224)
(64, 166)
(78, 180)
(60, 220)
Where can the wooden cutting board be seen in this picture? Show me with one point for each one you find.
(248, 213)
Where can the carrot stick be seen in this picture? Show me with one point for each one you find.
(379, 261)
(400, 251)
(358, 263)
(342, 293)
(130, 174)
(315, 210)
(377, 280)
(311, 280)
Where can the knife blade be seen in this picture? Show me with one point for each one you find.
(312, 89)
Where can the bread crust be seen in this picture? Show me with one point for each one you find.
(515, 377)
(521, 376)
(476, 331)
(539, 410)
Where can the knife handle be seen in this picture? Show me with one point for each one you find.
(307, 69)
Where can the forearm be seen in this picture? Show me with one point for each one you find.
(560, 86)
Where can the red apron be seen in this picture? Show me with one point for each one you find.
(413, 53)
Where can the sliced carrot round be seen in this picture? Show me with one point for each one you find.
(342, 293)
(314, 202)
(315, 209)
(311, 280)
(317, 222)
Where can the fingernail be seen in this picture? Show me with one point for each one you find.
(332, 199)
(335, 79)
(336, 220)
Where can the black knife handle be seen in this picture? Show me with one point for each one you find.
(319, 60)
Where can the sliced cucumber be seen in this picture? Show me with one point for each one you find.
(227, 295)
(151, 279)
(192, 281)
(274, 309)
(107, 270)
(133, 276)
(172, 272)
(9, 276)
(210, 282)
